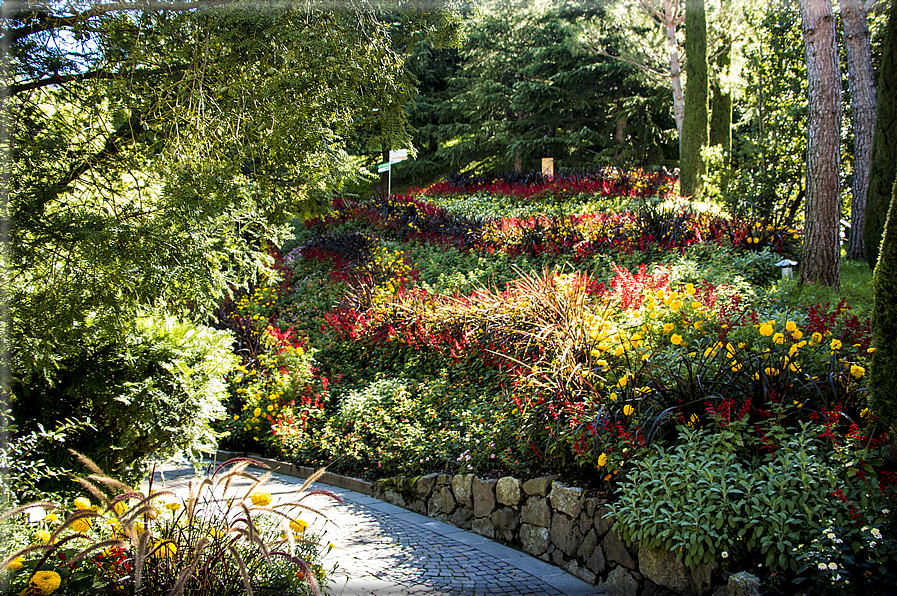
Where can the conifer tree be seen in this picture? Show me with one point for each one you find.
(883, 163)
(695, 121)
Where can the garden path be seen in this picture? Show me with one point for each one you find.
(384, 550)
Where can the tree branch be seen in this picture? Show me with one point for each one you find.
(86, 76)
(47, 22)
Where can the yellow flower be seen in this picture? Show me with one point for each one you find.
(790, 326)
(623, 381)
(836, 344)
(696, 305)
(121, 507)
(15, 564)
(766, 329)
(173, 506)
(871, 350)
(166, 549)
(612, 396)
(690, 289)
(216, 533)
(628, 410)
(797, 334)
(815, 338)
(864, 412)
(676, 339)
(699, 325)
(43, 583)
(260, 499)
(857, 371)
(298, 526)
(257, 412)
(602, 460)
(601, 362)
(81, 525)
(51, 518)
(42, 536)
(693, 420)
(676, 304)
(736, 367)
(82, 503)
(667, 327)
(778, 339)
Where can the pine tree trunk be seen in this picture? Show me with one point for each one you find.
(694, 123)
(862, 101)
(883, 166)
(884, 318)
(822, 249)
(721, 105)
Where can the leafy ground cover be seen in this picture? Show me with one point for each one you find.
(592, 326)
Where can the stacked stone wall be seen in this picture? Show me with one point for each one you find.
(558, 524)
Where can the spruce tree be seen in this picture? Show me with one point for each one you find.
(695, 122)
(883, 166)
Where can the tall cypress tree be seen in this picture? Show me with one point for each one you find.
(695, 121)
(883, 168)
(884, 319)
(884, 313)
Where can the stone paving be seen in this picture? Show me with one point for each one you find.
(384, 550)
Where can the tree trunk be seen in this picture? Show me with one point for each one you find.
(694, 123)
(862, 102)
(672, 18)
(721, 104)
(384, 176)
(822, 249)
(883, 163)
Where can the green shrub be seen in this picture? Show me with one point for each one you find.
(702, 497)
(150, 391)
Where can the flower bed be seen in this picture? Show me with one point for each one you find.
(590, 343)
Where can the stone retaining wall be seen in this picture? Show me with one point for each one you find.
(560, 525)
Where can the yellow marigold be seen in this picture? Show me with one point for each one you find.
(257, 412)
(612, 396)
(699, 325)
(797, 334)
(51, 518)
(836, 344)
(778, 338)
(667, 327)
(16, 564)
(121, 507)
(81, 525)
(864, 412)
(766, 329)
(676, 339)
(43, 583)
(260, 499)
(690, 289)
(857, 371)
(173, 506)
(166, 549)
(298, 526)
(871, 350)
(42, 536)
(628, 410)
(790, 326)
(736, 367)
(82, 503)
(675, 304)
(602, 460)
(815, 338)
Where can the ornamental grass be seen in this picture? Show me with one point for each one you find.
(225, 537)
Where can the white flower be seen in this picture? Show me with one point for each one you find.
(886, 511)
(872, 544)
(833, 566)
(831, 536)
(822, 566)
(724, 555)
(876, 533)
